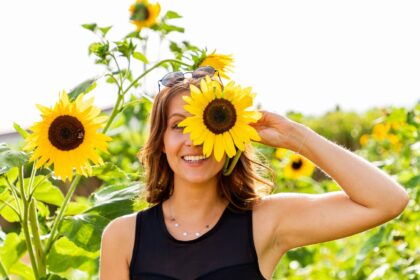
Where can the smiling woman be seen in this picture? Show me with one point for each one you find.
(204, 224)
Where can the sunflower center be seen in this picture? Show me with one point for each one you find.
(297, 164)
(141, 13)
(66, 133)
(219, 116)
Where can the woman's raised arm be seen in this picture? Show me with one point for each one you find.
(369, 196)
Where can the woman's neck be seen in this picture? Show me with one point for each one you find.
(196, 202)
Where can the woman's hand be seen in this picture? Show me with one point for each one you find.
(275, 131)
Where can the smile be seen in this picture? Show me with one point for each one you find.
(192, 159)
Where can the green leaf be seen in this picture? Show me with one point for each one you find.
(90, 26)
(171, 15)
(85, 230)
(10, 158)
(141, 57)
(65, 254)
(370, 244)
(52, 277)
(166, 28)
(13, 249)
(23, 270)
(104, 30)
(20, 130)
(83, 87)
(114, 201)
(46, 191)
(413, 182)
(43, 210)
(109, 172)
(75, 208)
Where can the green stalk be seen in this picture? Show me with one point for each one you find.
(39, 250)
(25, 226)
(57, 220)
(152, 68)
(3, 271)
(116, 108)
(232, 164)
(13, 190)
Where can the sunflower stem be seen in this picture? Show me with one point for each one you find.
(116, 108)
(152, 68)
(57, 220)
(114, 113)
(12, 188)
(4, 271)
(25, 227)
(39, 250)
(233, 163)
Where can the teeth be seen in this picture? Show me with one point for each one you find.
(194, 158)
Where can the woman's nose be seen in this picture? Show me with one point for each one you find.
(188, 140)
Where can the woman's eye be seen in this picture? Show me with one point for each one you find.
(175, 126)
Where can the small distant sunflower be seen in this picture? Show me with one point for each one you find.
(298, 166)
(280, 153)
(144, 14)
(67, 137)
(380, 131)
(219, 118)
(364, 139)
(221, 62)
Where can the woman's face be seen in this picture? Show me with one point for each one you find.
(186, 160)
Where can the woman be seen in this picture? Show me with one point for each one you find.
(207, 226)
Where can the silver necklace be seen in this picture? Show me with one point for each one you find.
(177, 225)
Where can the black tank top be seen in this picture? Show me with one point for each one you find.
(226, 251)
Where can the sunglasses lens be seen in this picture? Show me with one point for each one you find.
(203, 71)
(172, 78)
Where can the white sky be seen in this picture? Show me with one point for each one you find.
(304, 56)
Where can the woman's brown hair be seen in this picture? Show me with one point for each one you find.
(243, 188)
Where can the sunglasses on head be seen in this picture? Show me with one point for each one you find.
(173, 78)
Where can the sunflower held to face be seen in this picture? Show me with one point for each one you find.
(219, 118)
(144, 14)
(67, 137)
(298, 166)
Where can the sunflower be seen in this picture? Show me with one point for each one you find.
(221, 62)
(280, 153)
(219, 118)
(364, 139)
(67, 137)
(298, 166)
(380, 131)
(144, 14)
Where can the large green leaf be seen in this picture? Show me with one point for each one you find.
(5, 211)
(65, 254)
(85, 230)
(46, 191)
(114, 201)
(10, 158)
(12, 250)
(109, 172)
(23, 270)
